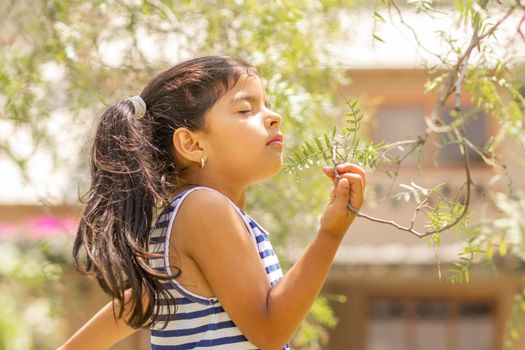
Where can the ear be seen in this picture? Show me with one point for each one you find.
(188, 144)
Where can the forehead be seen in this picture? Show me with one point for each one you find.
(248, 87)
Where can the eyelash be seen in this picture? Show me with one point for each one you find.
(249, 110)
(244, 112)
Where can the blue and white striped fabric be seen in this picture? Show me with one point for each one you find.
(201, 322)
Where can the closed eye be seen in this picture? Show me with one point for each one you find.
(246, 112)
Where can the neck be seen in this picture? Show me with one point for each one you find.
(236, 195)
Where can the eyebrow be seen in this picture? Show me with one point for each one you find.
(244, 96)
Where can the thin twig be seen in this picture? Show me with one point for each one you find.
(413, 31)
(448, 88)
(416, 144)
(359, 214)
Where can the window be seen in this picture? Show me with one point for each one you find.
(430, 324)
(397, 123)
(476, 131)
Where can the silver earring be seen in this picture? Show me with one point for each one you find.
(202, 162)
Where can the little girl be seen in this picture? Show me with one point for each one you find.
(165, 229)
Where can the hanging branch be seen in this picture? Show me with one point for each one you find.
(452, 84)
(449, 87)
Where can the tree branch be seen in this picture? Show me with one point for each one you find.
(452, 84)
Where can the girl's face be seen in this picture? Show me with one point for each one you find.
(240, 125)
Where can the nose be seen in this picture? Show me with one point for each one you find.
(273, 118)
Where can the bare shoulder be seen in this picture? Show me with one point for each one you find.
(205, 208)
(218, 241)
(209, 216)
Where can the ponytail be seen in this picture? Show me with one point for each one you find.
(118, 214)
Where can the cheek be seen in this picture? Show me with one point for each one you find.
(232, 147)
(239, 142)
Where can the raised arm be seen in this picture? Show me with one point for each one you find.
(100, 332)
(223, 249)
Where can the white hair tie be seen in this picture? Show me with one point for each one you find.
(139, 105)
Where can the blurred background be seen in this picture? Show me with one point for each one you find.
(62, 63)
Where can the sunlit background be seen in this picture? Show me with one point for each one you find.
(62, 63)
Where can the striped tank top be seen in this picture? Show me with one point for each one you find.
(201, 322)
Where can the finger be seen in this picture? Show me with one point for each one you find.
(352, 193)
(326, 169)
(326, 172)
(341, 194)
(345, 168)
(355, 176)
(350, 167)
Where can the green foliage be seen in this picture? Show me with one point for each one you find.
(314, 332)
(514, 325)
(29, 293)
(461, 272)
(346, 144)
(491, 91)
(286, 40)
(421, 5)
(445, 212)
(465, 10)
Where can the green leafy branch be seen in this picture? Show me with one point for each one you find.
(321, 148)
(367, 156)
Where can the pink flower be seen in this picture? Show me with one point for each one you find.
(48, 226)
(7, 230)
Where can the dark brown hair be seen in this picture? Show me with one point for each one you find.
(133, 171)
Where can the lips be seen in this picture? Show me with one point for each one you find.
(277, 137)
